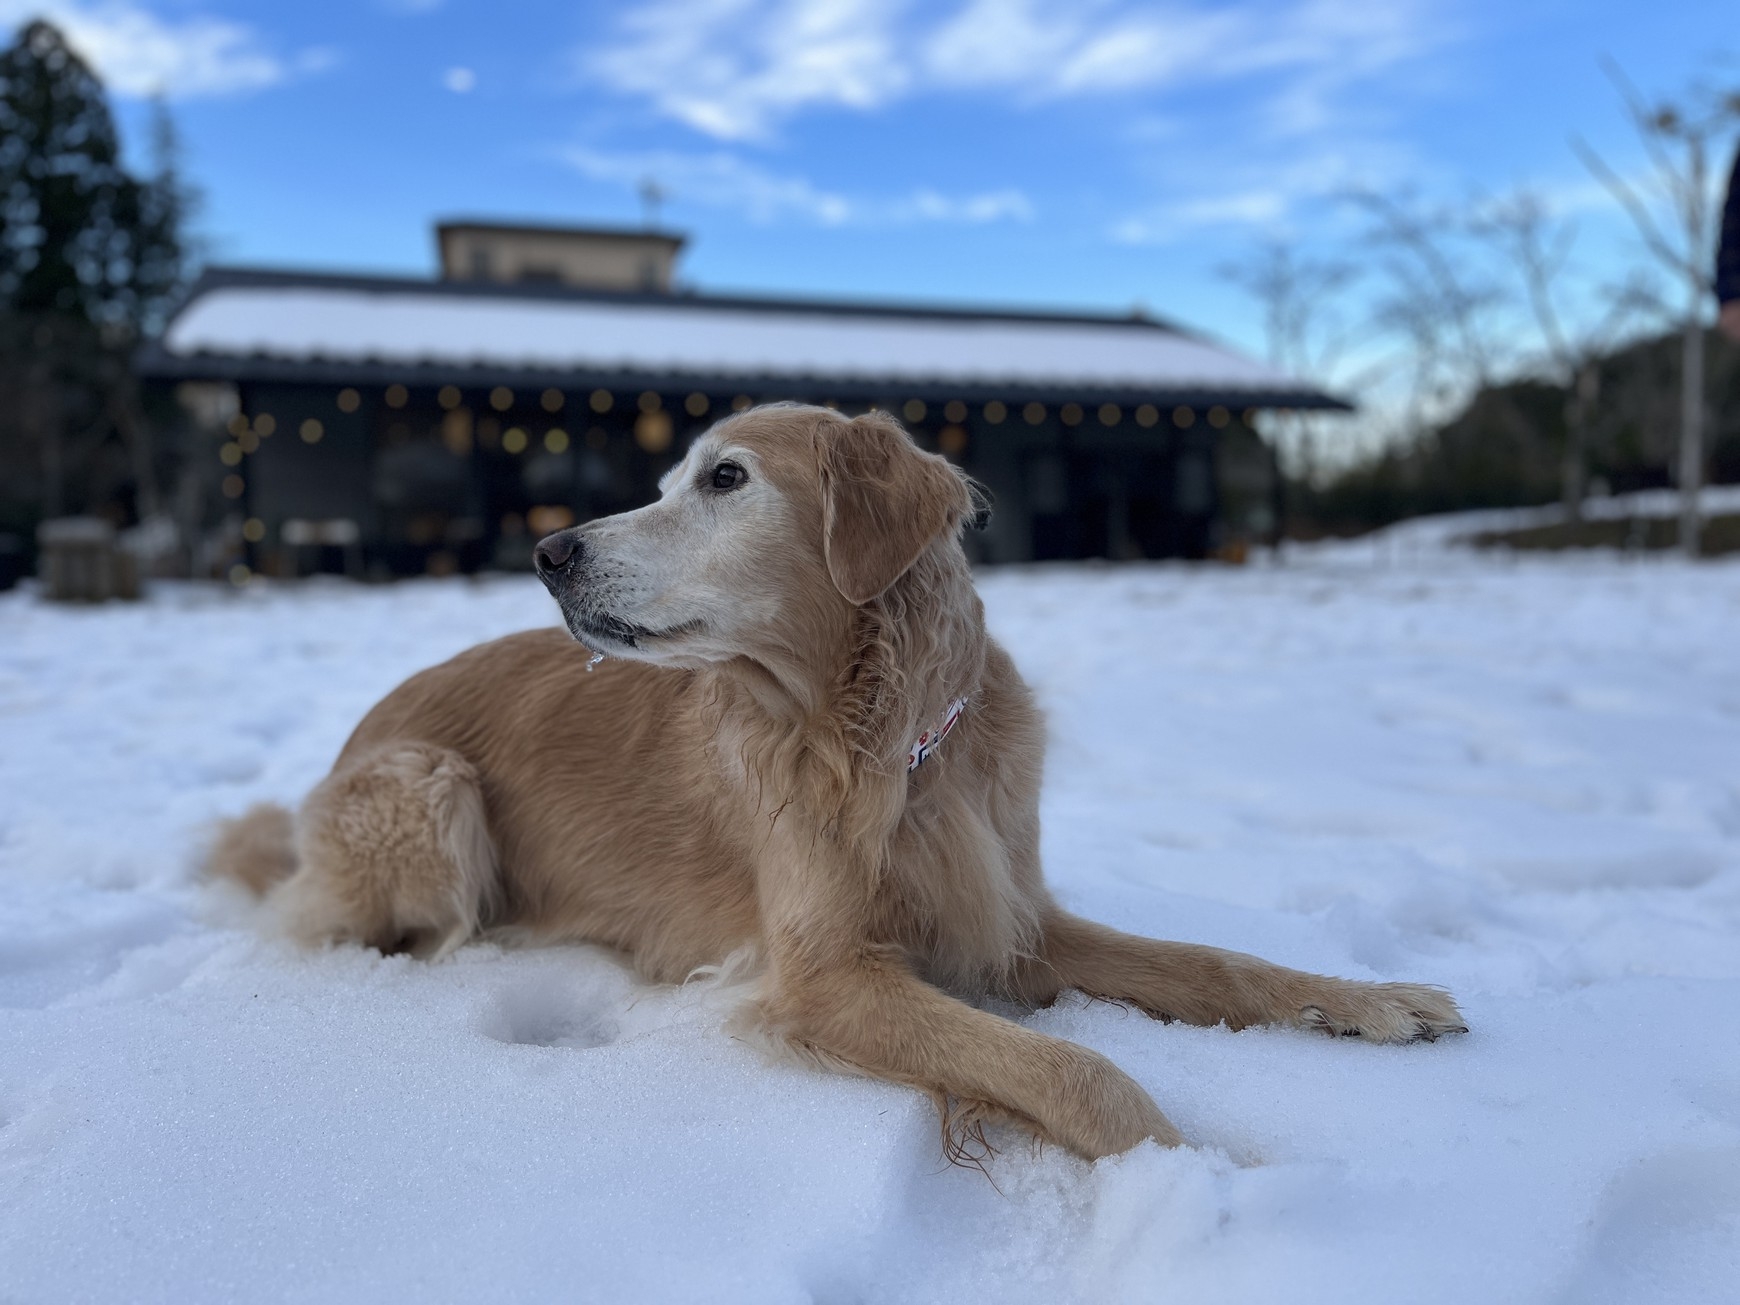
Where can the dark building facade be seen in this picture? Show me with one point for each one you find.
(405, 426)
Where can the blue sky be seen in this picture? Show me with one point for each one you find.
(1089, 153)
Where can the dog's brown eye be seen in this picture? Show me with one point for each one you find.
(727, 475)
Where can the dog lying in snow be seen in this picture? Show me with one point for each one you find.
(804, 744)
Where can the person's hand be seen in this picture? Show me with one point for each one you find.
(1730, 320)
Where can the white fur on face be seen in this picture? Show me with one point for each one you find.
(683, 580)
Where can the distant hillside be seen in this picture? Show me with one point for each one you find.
(1504, 448)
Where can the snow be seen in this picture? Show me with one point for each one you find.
(686, 335)
(1520, 779)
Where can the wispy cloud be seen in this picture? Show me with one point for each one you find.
(138, 52)
(736, 69)
(725, 179)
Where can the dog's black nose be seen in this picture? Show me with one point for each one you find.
(557, 552)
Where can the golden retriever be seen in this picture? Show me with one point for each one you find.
(802, 742)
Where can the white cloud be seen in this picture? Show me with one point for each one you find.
(138, 53)
(723, 179)
(736, 69)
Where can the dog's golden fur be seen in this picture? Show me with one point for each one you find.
(736, 778)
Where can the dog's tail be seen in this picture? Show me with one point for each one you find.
(256, 850)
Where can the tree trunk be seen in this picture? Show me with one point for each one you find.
(1579, 411)
(1691, 428)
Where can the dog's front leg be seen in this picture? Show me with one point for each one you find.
(1205, 985)
(868, 1009)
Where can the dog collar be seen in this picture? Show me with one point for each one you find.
(931, 740)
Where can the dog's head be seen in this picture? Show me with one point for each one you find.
(776, 519)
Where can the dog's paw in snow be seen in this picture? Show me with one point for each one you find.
(1384, 1012)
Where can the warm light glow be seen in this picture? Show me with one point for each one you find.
(501, 398)
(448, 397)
(238, 425)
(741, 403)
(312, 430)
(1147, 415)
(240, 575)
(601, 400)
(1183, 417)
(456, 431)
(253, 530)
(696, 405)
(548, 518)
(1070, 414)
(230, 454)
(955, 411)
(1034, 412)
(233, 486)
(556, 440)
(952, 440)
(397, 396)
(650, 401)
(552, 400)
(913, 410)
(1218, 417)
(652, 431)
(513, 440)
(1110, 414)
(264, 425)
(349, 400)
(995, 411)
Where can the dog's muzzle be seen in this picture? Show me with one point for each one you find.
(558, 556)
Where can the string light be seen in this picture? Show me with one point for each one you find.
(1183, 417)
(311, 431)
(253, 530)
(652, 431)
(1110, 414)
(955, 411)
(397, 396)
(552, 400)
(501, 398)
(238, 425)
(264, 425)
(513, 439)
(952, 440)
(742, 403)
(696, 405)
(249, 441)
(449, 397)
(349, 400)
(230, 454)
(1070, 414)
(913, 410)
(1034, 413)
(556, 440)
(1218, 417)
(1147, 415)
(233, 486)
(601, 400)
(995, 412)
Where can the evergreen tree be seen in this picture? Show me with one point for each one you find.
(90, 258)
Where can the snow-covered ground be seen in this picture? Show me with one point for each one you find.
(1520, 779)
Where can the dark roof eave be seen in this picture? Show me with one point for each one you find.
(155, 362)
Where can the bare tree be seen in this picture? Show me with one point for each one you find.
(1676, 139)
(1436, 299)
(1304, 331)
(1538, 247)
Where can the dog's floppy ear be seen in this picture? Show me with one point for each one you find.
(883, 501)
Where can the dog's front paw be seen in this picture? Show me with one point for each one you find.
(1384, 1012)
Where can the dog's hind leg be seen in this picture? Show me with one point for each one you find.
(393, 851)
(1205, 985)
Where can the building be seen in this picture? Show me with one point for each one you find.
(551, 375)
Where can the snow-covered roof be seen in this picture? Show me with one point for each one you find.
(303, 320)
